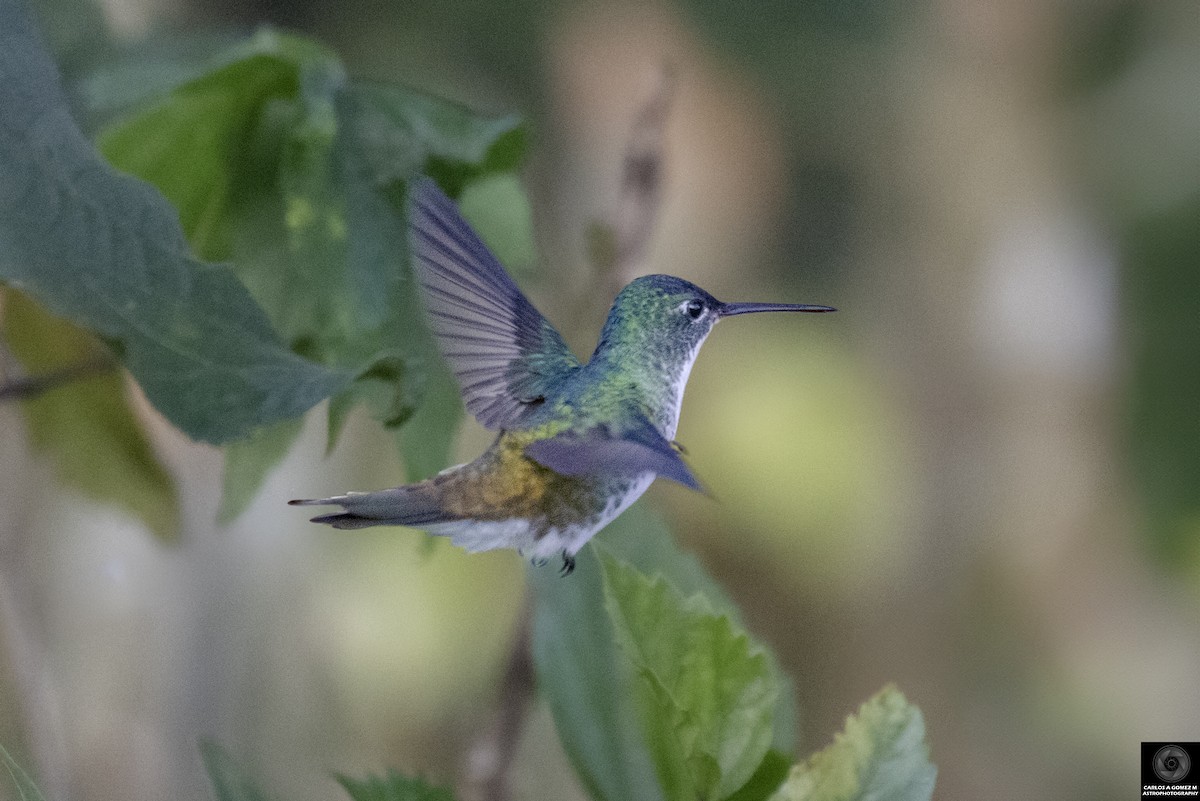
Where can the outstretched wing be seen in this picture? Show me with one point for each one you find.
(637, 448)
(503, 352)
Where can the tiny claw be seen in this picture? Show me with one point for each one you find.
(568, 566)
(540, 562)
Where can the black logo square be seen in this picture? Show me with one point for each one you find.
(1170, 770)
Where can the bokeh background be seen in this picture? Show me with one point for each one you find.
(978, 480)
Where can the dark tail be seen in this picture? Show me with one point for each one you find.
(401, 506)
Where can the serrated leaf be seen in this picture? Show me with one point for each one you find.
(579, 665)
(707, 695)
(229, 780)
(27, 790)
(86, 425)
(880, 756)
(106, 251)
(392, 787)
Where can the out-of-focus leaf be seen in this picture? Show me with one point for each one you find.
(1161, 282)
(392, 787)
(26, 789)
(706, 694)
(199, 135)
(400, 131)
(881, 755)
(86, 424)
(106, 251)
(498, 210)
(75, 30)
(426, 440)
(229, 780)
(249, 461)
(583, 676)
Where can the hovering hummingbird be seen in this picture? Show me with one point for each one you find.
(578, 443)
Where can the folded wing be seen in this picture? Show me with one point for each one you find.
(629, 449)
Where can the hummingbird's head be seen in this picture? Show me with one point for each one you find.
(662, 316)
(654, 331)
(670, 317)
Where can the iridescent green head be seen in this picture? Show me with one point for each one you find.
(668, 318)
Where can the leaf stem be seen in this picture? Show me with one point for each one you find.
(26, 387)
(491, 755)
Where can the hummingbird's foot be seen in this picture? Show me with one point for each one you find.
(568, 565)
(540, 562)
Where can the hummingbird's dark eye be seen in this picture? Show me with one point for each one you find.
(694, 309)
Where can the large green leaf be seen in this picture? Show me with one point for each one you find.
(583, 675)
(706, 693)
(392, 787)
(881, 756)
(86, 424)
(106, 251)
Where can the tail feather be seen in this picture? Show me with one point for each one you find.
(401, 506)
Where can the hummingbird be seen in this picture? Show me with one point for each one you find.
(577, 442)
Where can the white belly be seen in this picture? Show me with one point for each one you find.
(487, 535)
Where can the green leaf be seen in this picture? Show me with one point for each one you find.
(707, 695)
(767, 777)
(580, 668)
(86, 425)
(106, 251)
(229, 780)
(248, 462)
(881, 755)
(392, 787)
(426, 440)
(499, 211)
(26, 789)
(401, 131)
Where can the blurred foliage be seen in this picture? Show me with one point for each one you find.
(27, 789)
(1162, 284)
(1130, 69)
(229, 780)
(392, 787)
(97, 443)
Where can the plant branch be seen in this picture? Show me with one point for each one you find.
(491, 755)
(26, 387)
(638, 199)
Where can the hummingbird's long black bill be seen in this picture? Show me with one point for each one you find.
(730, 309)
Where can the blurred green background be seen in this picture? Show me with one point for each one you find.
(978, 480)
